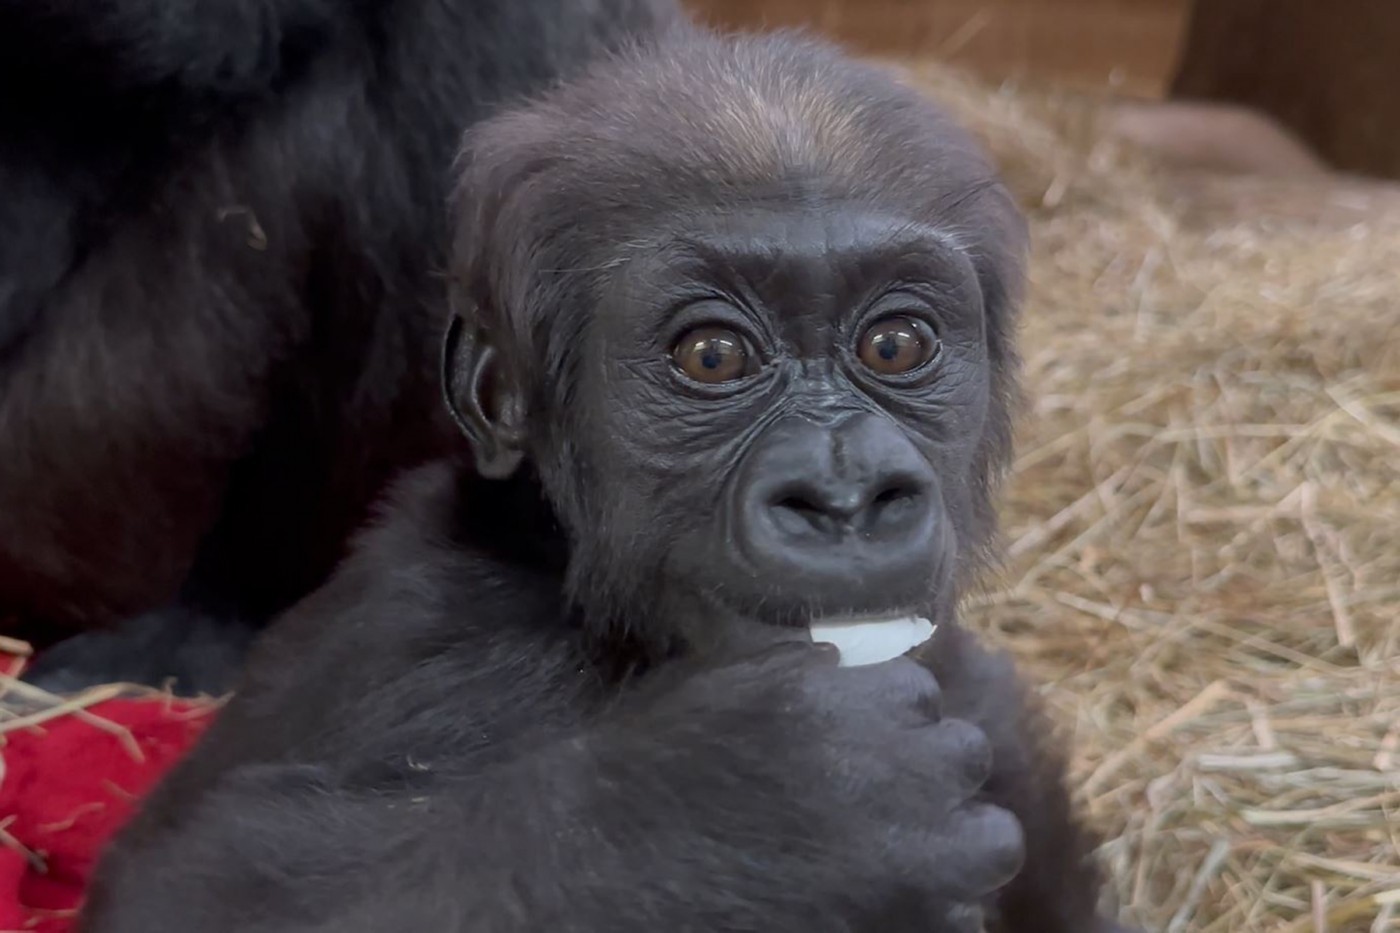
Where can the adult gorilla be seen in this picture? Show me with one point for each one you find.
(733, 354)
(220, 237)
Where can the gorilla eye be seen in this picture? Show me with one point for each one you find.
(713, 355)
(893, 346)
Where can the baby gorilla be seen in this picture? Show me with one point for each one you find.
(732, 348)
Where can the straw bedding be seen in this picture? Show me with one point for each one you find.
(1204, 522)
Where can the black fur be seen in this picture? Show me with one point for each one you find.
(221, 244)
(544, 694)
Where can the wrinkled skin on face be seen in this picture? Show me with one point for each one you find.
(810, 484)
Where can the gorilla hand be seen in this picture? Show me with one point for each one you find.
(888, 786)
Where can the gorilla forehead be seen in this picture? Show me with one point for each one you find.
(699, 122)
(772, 113)
(796, 271)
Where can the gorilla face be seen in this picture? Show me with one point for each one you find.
(761, 372)
(782, 407)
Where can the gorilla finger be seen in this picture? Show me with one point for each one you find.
(897, 685)
(988, 848)
(966, 856)
(954, 755)
(946, 869)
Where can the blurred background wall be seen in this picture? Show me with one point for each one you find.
(1329, 72)
(1124, 45)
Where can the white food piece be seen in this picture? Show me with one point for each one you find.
(871, 641)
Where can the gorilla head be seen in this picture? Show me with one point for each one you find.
(748, 318)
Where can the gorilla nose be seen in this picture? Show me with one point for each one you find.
(832, 507)
(827, 507)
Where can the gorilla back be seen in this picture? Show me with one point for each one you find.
(221, 228)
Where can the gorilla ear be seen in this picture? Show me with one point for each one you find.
(487, 406)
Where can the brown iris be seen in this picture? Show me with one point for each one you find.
(713, 355)
(893, 346)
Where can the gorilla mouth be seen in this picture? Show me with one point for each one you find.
(872, 639)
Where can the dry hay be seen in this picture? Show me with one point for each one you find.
(25, 707)
(1204, 522)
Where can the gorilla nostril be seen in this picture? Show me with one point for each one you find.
(894, 494)
(800, 510)
(797, 504)
(896, 504)
(801, 514)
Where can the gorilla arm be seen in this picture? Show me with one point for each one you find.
(447, 762)
(568, 836)
(1057, 886)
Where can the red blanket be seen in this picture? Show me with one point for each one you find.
(68, 784)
